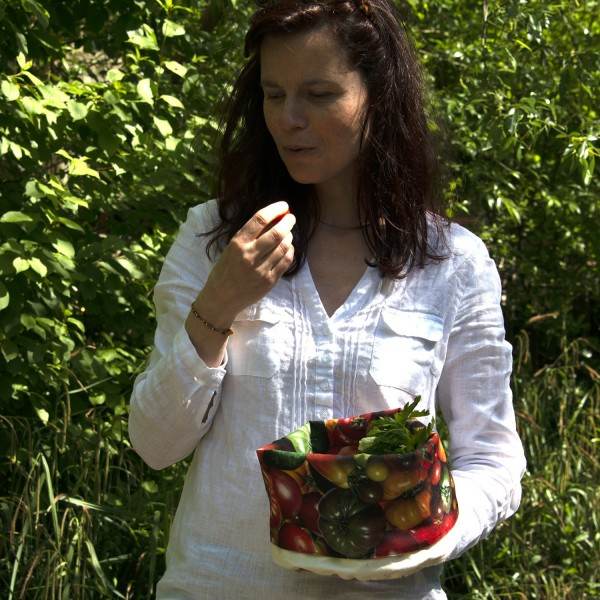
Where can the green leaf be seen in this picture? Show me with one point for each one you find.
(172, 29)
(43, 415)
(77, 110)
(35, 80)
(71, 224)
(171, 143)
(130, 267)
(28, 321)
(143, 38)
(23, 63)
(98, 399)
(163, 126)
(63, 152)
(79, 168)
(31, 189)
(391, 435)
(20, 264)
(144, 90)
(172, 101)
(4, 299)
(150, 486)
(16, 150)
(54, 96)
(175, 67)
(64, 247)
(15, 216)
(38, 266)
(31, 105)
(9, 350)
(10, 90)
(114, 74)
(35, 8)
(118, 169)
(77, 324)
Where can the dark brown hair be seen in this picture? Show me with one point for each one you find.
(399, 179)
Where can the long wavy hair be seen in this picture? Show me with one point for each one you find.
(399, 174)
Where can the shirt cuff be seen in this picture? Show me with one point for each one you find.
(474, 515)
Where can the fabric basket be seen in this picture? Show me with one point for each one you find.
(334, 511)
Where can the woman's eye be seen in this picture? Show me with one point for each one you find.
(312, 94)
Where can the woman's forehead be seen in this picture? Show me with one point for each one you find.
(308, 56)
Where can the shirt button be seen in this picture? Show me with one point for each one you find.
(325, 385)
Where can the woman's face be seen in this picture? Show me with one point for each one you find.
(312, 100)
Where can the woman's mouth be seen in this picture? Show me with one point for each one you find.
(298, 151)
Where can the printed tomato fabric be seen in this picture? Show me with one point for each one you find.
(328, 499)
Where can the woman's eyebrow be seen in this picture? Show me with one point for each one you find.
(268, 82)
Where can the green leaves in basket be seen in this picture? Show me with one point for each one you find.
(397, 434)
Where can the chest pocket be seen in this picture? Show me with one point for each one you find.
(255, 348)
(404, 349)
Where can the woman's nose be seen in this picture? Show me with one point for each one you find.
(293, 114)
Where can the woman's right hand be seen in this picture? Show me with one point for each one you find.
(250, 265)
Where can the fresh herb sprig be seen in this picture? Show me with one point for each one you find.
(397, 434)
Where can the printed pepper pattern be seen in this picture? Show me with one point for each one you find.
(328, 499)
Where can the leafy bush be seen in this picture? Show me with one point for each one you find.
(107, 136)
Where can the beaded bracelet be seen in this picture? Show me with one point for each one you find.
(225, 332)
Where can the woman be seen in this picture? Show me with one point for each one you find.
(326, 287)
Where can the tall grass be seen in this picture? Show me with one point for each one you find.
(82, 517)
(551, 548)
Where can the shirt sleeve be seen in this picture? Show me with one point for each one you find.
(174, 400)
(475, 398)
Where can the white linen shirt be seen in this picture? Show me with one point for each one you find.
(438, 333)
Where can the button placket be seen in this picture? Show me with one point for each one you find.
(324, 379)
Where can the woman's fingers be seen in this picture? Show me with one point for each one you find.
(277, 262)
(272, 238)
(261, 221)
(284, 262)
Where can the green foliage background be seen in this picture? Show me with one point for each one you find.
(107, 136)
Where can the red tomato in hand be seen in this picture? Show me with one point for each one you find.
(296, 539)
(276, 517)
(395, 542)
(287, 493)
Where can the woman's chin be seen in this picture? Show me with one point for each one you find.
(300, 177)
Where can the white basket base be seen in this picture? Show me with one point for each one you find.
(391, 567)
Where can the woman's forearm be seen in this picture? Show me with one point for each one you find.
(210, 345)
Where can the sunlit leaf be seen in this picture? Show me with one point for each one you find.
(114, 74)
(64, 247)
(15, 216)
(175, 67)
(38, 266)
(10, 90)
(20, 264)
(143, 38)
(172, 101)
(79, 167)
(171, 29)
(144, 90)
(77, 110)
(4, 297)
(163, 126)
(31, 105)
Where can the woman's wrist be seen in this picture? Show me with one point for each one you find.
(213, 310)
